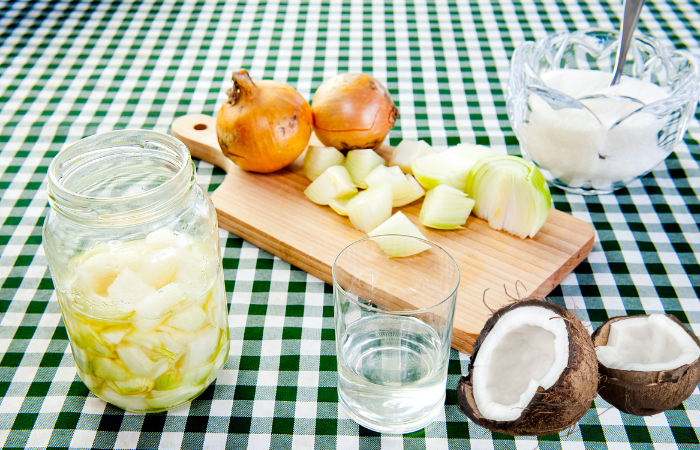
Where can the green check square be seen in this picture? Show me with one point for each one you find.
(592, 433)
(294, 311)
(38, 389)
(326, 427)
(328, 363)
(685, 435)
(78, 389)
(249, 363)
(36, 307)
(24, 421)
(457, 430)
(328, 334)
(286, 394)
(253, 333)
(297, 286)
(24, 332)
(67, 421)
(328, 394)
(261, 286)
(638, 434)
(289, 363)
(291, 333)
(244, 392)
(239, 425)
(51, 360)
(257, 310)
(282, 425)
(11, 359)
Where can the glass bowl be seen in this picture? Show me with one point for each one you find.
(589, 138)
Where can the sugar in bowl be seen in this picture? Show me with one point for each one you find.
(587, 136)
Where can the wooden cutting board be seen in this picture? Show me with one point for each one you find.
(271, 212)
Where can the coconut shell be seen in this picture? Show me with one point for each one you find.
(645, 393)
(551, 410)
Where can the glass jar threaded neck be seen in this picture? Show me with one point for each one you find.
(120, 177)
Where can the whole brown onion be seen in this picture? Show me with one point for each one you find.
(263, 126)
(353, 110)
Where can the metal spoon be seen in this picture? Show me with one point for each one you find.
(629, 24)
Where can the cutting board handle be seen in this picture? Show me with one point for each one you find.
(198, 133)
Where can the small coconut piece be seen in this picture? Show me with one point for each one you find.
(648, 363)
(533, 371)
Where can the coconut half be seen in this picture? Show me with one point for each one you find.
(649, 363)
(533, 371)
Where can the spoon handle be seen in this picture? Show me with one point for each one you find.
(633, 9)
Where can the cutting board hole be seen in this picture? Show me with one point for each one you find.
(200, 127)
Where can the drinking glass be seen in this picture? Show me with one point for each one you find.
(393, 326)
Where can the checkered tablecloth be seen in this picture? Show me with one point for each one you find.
(71, 69)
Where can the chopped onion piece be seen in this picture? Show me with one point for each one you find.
(131, 386)
(416, 192)
(395, 245)
(511, 193)
(407, 151)
(173, 397)
(318, 159)
(110, 370)
(334, 182)
(370, 208)
(445, 208)
(447, 167)
(360, 163)
(340, 205)
(472, 152)
(130, 402)
(401, 188)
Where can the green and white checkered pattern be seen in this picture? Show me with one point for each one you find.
(71, 69)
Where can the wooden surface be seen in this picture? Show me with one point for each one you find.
(271, 212)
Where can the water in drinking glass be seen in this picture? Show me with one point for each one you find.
(393, 370)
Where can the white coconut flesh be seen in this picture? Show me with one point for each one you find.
(527, 348)
(647, 344)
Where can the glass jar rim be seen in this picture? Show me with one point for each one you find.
(87, 150)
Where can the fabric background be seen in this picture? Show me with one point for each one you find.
(72, 69)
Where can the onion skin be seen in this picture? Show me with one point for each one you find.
(264, 126)
(353, 111)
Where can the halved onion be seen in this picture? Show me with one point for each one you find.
(370, 208)
(445, 208)
(360, 163)
(397, 245)
(511, 193)
(407, 151)
(334, 182)
(318, 159)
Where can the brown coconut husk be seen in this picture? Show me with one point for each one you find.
(551, 410)
(645, 393)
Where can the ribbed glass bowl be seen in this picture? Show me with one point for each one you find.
(596, 144)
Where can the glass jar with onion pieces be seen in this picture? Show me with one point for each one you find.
(132, 244)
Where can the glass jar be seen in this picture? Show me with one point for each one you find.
(132, 244)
